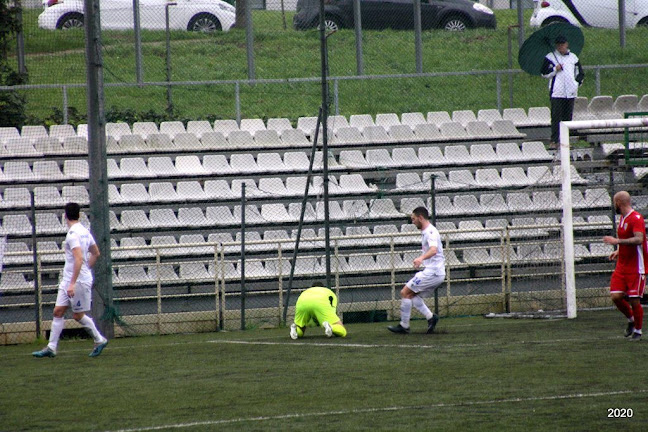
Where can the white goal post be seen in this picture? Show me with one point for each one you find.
(568, 226)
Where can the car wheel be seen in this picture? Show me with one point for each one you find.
(552, 20)
(455, 23)
(69, 21)
(204, 22)
(643, 22)
(332, 23)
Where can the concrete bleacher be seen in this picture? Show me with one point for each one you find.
(178, 186)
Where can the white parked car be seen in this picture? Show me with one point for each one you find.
(589, 13)
(192, 15)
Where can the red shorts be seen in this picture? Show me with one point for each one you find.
(632, 284)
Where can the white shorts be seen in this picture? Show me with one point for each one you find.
(424, 284)
(82, 300)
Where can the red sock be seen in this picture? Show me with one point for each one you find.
(624, 307)
(638, 315)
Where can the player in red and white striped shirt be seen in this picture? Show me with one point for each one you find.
(629, 277)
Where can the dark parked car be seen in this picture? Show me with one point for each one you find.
(453, 15)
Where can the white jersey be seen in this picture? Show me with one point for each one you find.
(78, 236)
(430, 237)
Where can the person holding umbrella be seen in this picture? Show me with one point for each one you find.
(564, 70)
(552, 52)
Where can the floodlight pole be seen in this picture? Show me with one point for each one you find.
(325, 111)
(102, 305)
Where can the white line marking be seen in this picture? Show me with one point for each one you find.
(413, 346)
(377, 410)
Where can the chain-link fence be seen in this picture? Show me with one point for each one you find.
(187, 132)
(154, 74)
(179, 261)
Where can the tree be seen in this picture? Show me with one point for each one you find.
(12, 104)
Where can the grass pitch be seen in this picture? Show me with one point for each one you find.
(474, 374)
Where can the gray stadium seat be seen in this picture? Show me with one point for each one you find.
(225, 127)
(189, 191)
(189, 165)
(46, 196)
(184, 141)
(432, 156)
(160, 166)
(221, 215)
(279, 124)
(361, 121)
(271, 163)
(427, 132)
(489, 116)
(402, 133)
(217, 164)
(268, 138)
(116, 130)
(47, 170)
(380, 158)
(252, 125)
(192, 217)
(376, 135)
(135, 219)
(517, 115)
(438, 117)
(214, 141)
(453, 131)
(509, 152)
(172, 128)
(457, 155)
(163, 192)
(479, 130)
(198, 127)
(48, 146)
(602, 107)
(412, 119)
(405, 157)
(144, 129)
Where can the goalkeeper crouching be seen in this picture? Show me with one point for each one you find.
(316, 307)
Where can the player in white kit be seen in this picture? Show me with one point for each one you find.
(75, 290)
(425, 281)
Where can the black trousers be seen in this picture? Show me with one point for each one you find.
(562, 109)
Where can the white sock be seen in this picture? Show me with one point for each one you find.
(55, 332)
(89, 325)
(406, 312)
(637, 331)
(422, 307)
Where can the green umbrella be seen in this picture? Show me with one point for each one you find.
(539, 44)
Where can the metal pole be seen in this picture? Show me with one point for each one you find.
(418, 41)
(433, 220)
(613, 212)
(20, 40)
(237, 102)
(65, 105)
(249, 39)
(336, 96)
(325, 111)
(510, 62)
(139, 71)
(168, 58)
(520, 14)
(357, 24)
(498, 79)
(622, 23)
(243, 293)
(102, 305)
(301, 216)
(36, 269)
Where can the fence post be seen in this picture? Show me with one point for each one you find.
(418, 41)
(357, 20)
(498, 78)
(217, 272)
(139, 73)
(159, 291)
(336, 94)
(598, 81)
(237, 102)
(37, 281)
(280, 278)
(249, 40)
(243, 254)
(65, 105)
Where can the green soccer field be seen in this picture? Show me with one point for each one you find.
(474, 374)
